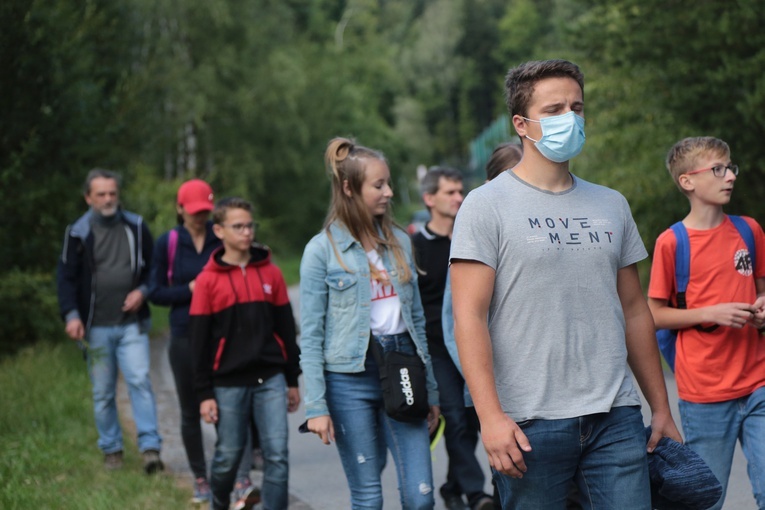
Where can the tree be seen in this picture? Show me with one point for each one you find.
(660, 71)
(63, 67)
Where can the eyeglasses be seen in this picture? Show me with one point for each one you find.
(240, 228)
(717, 170)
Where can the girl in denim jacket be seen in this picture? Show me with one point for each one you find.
(358, 284)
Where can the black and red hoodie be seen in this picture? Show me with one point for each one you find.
(241, 324)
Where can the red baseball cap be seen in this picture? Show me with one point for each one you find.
(195, 196)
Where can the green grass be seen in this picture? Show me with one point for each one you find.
(49, 456)
(160, 320)
(290, 266)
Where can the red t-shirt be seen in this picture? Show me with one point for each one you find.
(726, 363)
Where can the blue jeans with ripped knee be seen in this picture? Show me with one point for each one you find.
(363, 432)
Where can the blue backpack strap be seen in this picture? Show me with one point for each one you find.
(745, 231)
(682, 262)
(667, 338)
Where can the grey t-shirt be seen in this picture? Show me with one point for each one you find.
(113, 276)
(556, 323)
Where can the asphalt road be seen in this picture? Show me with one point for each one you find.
(317, 481)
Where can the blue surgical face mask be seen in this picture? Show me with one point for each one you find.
(562, 136)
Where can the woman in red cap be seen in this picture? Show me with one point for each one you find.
(179, 256)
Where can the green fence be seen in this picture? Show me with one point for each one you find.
(483, 145)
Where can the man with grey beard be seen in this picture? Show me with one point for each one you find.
(102, 282)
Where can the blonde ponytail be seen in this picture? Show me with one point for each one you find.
(346, 166)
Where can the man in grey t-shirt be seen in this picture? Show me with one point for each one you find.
(551, 259)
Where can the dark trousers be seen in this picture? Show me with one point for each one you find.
(179, 354)
(464, 474)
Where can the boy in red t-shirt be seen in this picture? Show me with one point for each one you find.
(720, 370)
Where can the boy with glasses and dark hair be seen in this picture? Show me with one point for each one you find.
(720, 357)
(246, 357)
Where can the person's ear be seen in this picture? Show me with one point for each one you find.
(429, 201)
(218, 231)
(179, 209)
(686, 183)
(519, 123)
(347, 188)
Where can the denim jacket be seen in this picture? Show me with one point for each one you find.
(447, 321)
(335, 311)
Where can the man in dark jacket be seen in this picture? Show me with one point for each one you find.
(102, 282)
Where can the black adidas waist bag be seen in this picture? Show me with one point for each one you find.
(403, 382)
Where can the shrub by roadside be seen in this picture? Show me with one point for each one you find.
(30, 310)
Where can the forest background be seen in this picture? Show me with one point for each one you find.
(246, 94)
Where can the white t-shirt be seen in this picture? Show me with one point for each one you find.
(556, 323)
(385, 310)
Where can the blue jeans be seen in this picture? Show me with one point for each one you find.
(363, 431)
(711, 430)
(605, 454)
(179, 355)
(267, 405)
(464, 474)
(124, 348)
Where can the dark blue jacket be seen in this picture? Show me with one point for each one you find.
(187, 265)
(76, 287)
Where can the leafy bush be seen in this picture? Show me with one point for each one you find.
(152, 197)
(30, 310)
